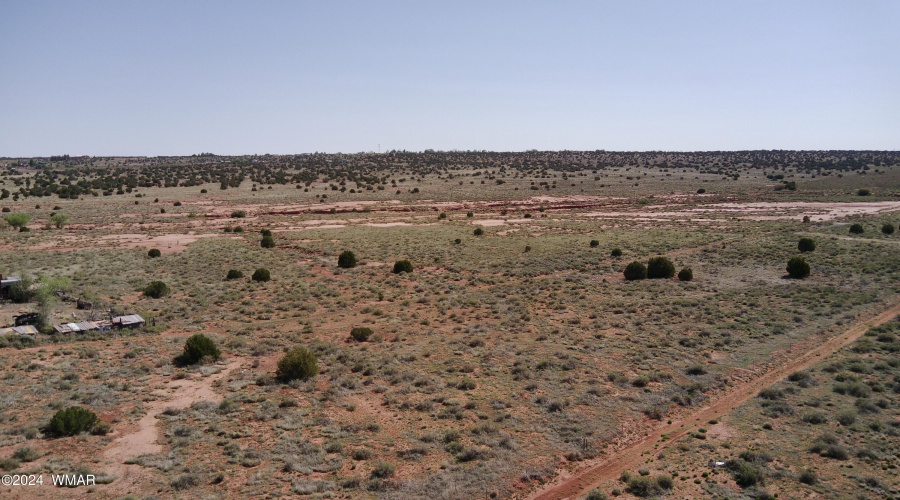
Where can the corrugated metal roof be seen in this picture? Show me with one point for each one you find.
(21, 330)
(128, 319)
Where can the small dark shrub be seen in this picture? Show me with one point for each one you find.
(383, 470)
(815, 418)
(261, 274)
(442, 215)
(402, 266)
(265, 232)
(267, 241)
(797, 268)
(660, 268)
(686, 274)
(457, 241)
(857, 229)
(466, 384)
(597, 494)
(745, 474)
(298, 363)
(198, 347)
(806, 245)
(808, 477)
(701, 191)
(595, 243)
(478, 231)
(177, 203)
(635, 271)
(361, 334)
(887, 229)
(470, 214)
(616, 252)
(238, 214)
(234, 274)
(203, 191)
(347, 259)
(71, 421)
(643, 486)
(156, 289)
(696, 370)
(26, 454)
(154, 253)
(863, 192)
(238, 229)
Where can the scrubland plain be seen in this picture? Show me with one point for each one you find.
(514, 363)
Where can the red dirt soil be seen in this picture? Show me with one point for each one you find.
(569, 485)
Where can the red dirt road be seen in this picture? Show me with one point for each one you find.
(632, 456)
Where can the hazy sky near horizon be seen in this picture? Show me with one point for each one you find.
(181, 77)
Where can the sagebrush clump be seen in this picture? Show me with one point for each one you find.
(154, 253)
(261, 274)
(361, 334)
(298, 364)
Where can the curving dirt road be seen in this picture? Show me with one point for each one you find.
(609, 468)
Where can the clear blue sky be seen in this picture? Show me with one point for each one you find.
(181, 77)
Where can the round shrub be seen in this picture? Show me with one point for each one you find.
(238, 229)
(808, 477)
(616, 252)
(597, 494)
(660, 268)
(857, 229)
(156, 289)
(297, 364)
(686, 274)
(234, 274)
(154, 253)
(797, 268)
(887, 229)
(261, 274)
(595, 243)
(457, 241)
(402, 266)
(470, 214)
(478, 231)
(863, 192)
(347, 259)
(267, 241)
(265, 232)
(198, 347)
(361, 334)
(806, 245)
(466, 384)
(635, 271)
(442, 215)
(203, 191)
(383, 470)
(238, 214)
(72, 421)
(701, 191)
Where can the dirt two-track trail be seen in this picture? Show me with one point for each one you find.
(632, 456)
